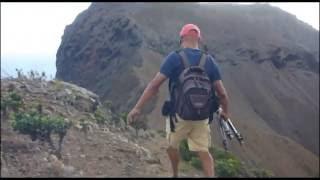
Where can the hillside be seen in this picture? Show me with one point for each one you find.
(96, 145)
(268, 58)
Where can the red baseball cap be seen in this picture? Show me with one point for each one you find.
(187, 28)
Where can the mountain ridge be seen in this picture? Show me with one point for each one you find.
(269, 62)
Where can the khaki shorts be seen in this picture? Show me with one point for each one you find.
(197, 134)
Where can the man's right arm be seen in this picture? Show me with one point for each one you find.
(215, 77)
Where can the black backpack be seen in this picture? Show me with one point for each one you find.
(192, 97)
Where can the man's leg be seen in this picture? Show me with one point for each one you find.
(207, 163)
(199, 141)
(174, 158)
(174, 138)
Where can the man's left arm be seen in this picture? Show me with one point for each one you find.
(151, 90)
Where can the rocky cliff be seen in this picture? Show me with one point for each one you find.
(268, 58)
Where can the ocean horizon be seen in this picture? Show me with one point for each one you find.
(9, 64)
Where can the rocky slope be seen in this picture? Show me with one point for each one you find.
(89, 149)
(269, 62)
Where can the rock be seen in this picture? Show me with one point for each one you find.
(82, 156)
(49, 166)
(47, 112)
(131, 130)
(122, 124)
(153, 160)
(119, 160)
(105, 130)
(146, 134)
(154, 168)
(68, 91)
(146, 155)
(67, 158)
(141, 133)
(152, 134)
(37, 150)
(53, 158)
(81, 173)
(4, 171)
(55, 165)
(68, 170)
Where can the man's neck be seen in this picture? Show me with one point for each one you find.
(190, 45)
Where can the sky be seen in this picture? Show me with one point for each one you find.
(31, 32)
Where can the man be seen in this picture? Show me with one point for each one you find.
(197, 132)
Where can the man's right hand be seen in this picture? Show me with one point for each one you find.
(224, 115)
(133, 115)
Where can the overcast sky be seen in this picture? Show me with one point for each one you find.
(35, 29)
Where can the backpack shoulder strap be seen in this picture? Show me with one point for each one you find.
(184, 59)
(202, 60)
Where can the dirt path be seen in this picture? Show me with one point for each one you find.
(158, 146)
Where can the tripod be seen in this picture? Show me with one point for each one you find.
(227, 130)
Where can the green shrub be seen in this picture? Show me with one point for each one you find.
(185, 153)
(196, 162)
(100, 118)
(123, 116)
(227, 167)
(261, 172)
(41, 127)
(226, 164)
(12, 101)
(218, 153)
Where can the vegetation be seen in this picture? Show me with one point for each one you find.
(41, 127)
(107, 104)
(195, 162)
(84, 126)
(11, 102)
(259, 172)
(123, 116)
(185, 153)
(226, 163)
(33, 122)
(227, 167)
(32, 75)
(100, 117)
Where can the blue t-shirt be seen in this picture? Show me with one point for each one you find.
(172, 66)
